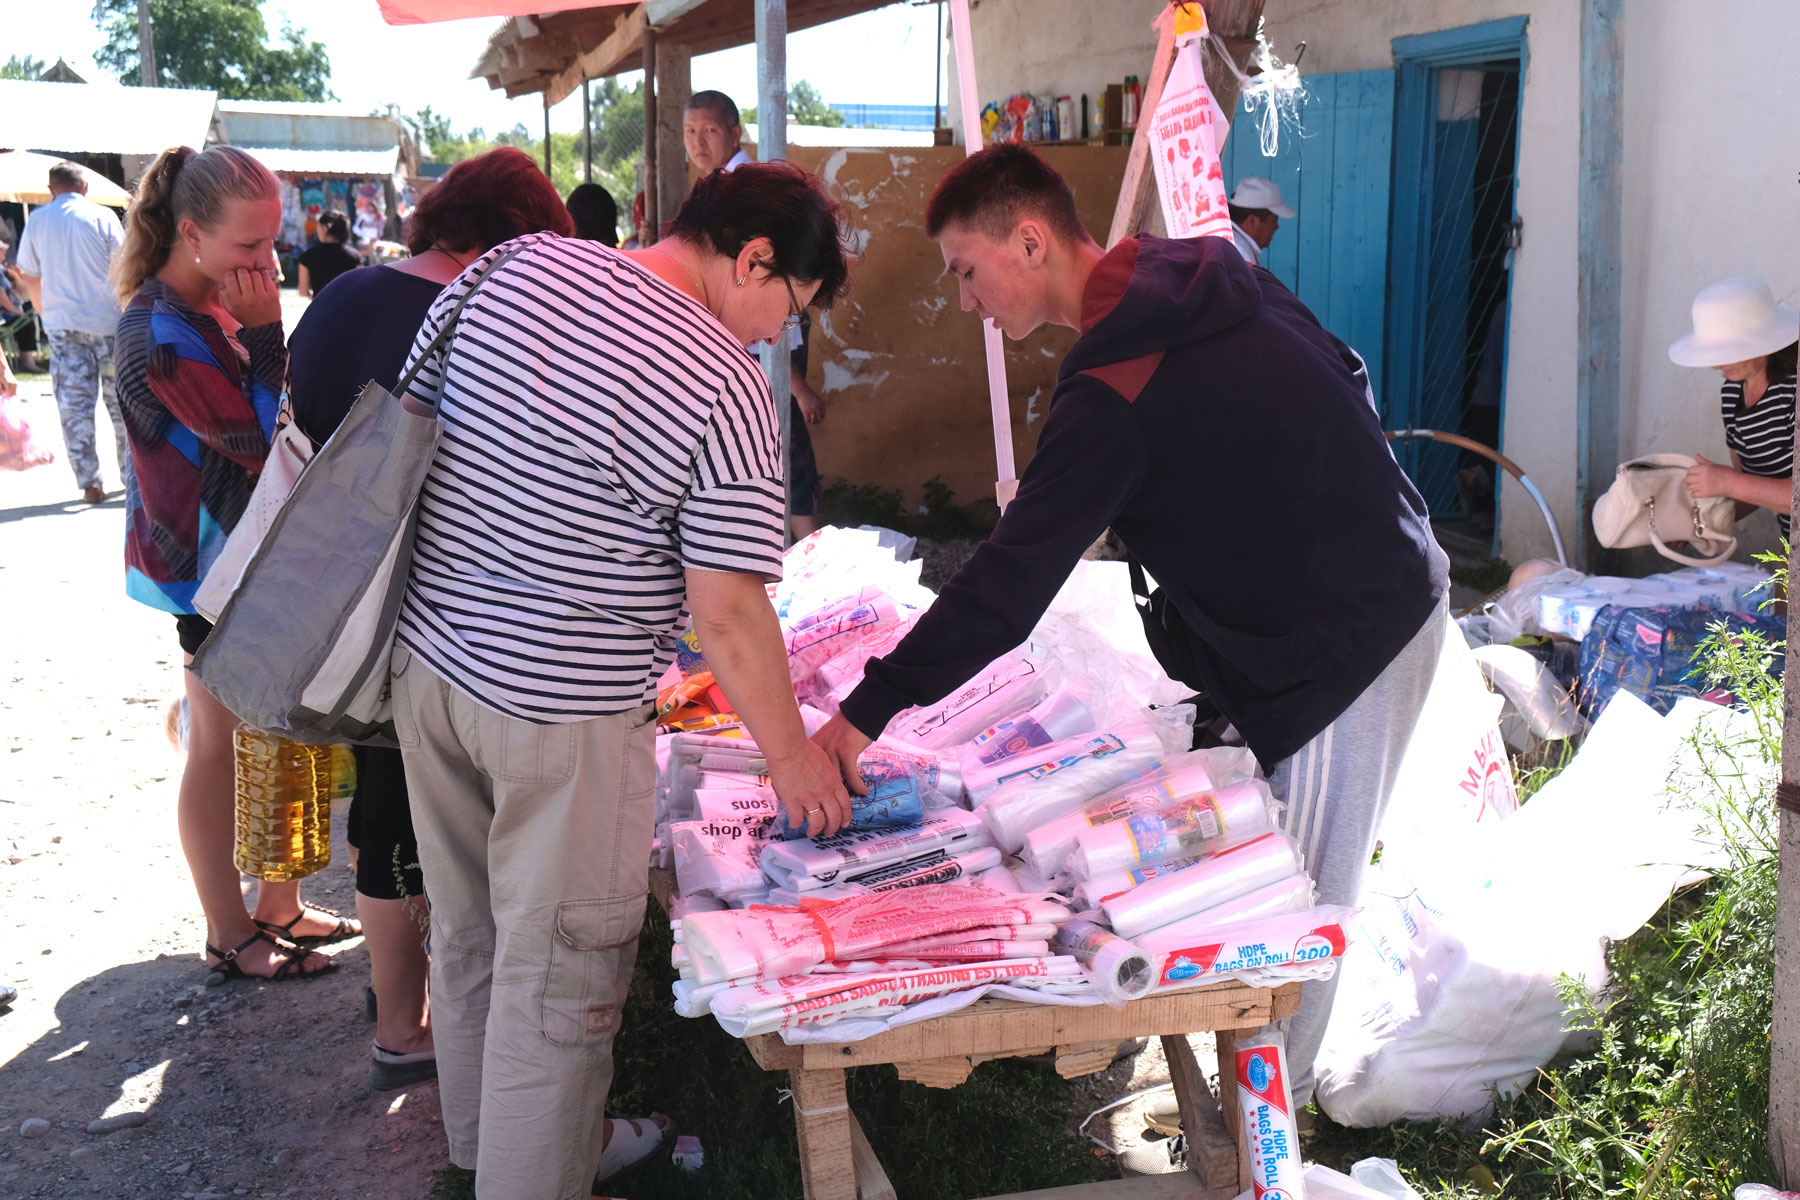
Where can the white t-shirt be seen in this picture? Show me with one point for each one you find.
(70, 243)
(602, 433)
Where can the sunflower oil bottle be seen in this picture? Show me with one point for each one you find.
(284, 792)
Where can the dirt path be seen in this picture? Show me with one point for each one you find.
(245, 1089)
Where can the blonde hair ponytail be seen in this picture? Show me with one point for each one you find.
(183, 183)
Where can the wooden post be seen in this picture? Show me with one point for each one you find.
(771, 144)
(673, 87)
(1784, 1024)
(587, 133)
(546, 135)
(650, 208)
(1599, 207)
(146, 46)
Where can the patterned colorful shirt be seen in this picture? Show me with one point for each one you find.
(200, 418)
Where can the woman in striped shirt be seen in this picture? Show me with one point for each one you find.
(1743, 334)
(609, 471)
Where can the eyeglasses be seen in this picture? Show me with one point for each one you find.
(797, 313)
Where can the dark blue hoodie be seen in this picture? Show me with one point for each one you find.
(1212, 423)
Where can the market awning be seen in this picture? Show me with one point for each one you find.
(102, 118)
(25, 179)
(551, 53)
(420, 12)
(292, 161)
(314, 139)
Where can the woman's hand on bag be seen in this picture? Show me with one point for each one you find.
(1706, 480)
(251, 298)
(812, 791)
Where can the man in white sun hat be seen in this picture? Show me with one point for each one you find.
(1256, 212)
(1740, 332)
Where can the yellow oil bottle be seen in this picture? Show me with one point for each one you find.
(284, 792)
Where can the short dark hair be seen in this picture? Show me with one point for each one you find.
(1782, 363)
(336, 224)
(777, 200)
(596, 214)
(483, 201)
(68, 176)
(717, 103)
(994, 189)
(1239, 214)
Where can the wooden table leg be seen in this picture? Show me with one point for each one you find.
(1228, 1100)
(822, 1121)
(872, 1182)
(1212, 1153)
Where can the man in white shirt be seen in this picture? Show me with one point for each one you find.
(65, 257)
(1256, 212)
(712, 132)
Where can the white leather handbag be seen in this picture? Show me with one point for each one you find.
(1649, 505)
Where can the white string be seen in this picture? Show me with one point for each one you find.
(1126, 1099)
(1276, 90)
(783, 1095)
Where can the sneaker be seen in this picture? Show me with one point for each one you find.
(1164, 1115)
(1164, 1157)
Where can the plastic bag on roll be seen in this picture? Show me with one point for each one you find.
(1119, 971)
(1060, 716)
(1194, 826)
(1136, 748)
(1051, 832)
(825, 633)
(1007, 685)
(1223, 876)
(1302, 945)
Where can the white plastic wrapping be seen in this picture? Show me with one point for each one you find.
(1223, 876)
(1265, 950)
(1009, 685)
(812, 863)
(1119, 971)
(1195, 826)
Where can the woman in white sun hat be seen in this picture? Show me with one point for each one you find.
(1740, 332)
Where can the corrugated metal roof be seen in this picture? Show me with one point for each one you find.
(102, 118)
(301, 161)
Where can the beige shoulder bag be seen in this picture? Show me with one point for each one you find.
(1649, 505)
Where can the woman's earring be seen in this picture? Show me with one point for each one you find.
(196, 260)
(741, 280)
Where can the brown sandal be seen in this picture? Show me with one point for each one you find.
(227, 964)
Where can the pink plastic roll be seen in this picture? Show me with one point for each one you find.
(1195, 825)
(1225, 876)
(1291, 895)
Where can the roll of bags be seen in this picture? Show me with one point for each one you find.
(1047, 832)
(1118, 970)
(1209, 882)
(1198, 824)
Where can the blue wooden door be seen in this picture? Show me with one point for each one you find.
(1335, 172)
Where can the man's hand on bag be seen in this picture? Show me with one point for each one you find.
(1706, 480)
(251, 298)
(844, 743)
(809, 787)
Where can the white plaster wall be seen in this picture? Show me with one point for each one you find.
(1709, 181)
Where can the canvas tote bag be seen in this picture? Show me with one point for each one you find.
(288, 455)
(1649, 505)
(301, 648)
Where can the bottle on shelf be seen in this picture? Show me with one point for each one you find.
(284, 794)
(1133, 98)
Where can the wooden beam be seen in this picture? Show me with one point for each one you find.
(674, 84)
(616, 48)
(1599, 207)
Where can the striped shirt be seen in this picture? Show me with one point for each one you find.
(1761, 434)
(601, 433)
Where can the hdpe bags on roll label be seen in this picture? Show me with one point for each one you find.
(1271, 1136)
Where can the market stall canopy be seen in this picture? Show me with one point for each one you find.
(25, 179)
(420, 12)
(552, 52)
(317, 139)
(103, 118)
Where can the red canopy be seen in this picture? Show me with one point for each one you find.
(419, 12)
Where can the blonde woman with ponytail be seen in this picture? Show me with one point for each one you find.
(201, 364)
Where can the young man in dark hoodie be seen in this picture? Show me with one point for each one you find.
(1229, 440)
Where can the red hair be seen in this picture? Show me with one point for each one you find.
(485, 200)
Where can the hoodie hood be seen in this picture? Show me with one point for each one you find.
(1151, 294)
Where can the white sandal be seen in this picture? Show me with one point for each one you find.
(624, 1149)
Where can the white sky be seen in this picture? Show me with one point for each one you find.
(883, 57)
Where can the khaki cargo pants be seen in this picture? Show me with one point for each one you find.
(535, 845)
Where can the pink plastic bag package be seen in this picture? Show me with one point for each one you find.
(18, 450)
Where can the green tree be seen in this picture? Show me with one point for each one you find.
(22, 66)
(805, 107)
(221, 45)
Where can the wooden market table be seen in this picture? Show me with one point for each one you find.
(836, 1162)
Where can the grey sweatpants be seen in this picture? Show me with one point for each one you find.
(1335, 789)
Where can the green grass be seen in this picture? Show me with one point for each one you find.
(1005, 1130)
(1486, 578)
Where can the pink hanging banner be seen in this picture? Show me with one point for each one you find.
(1185, 138)
(420, 12)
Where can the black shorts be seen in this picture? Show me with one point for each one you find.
(192, 629)
(381, 828)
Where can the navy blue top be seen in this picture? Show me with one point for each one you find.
(360, 330)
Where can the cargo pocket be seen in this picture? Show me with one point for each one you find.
(590, 966)
(406, 730)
